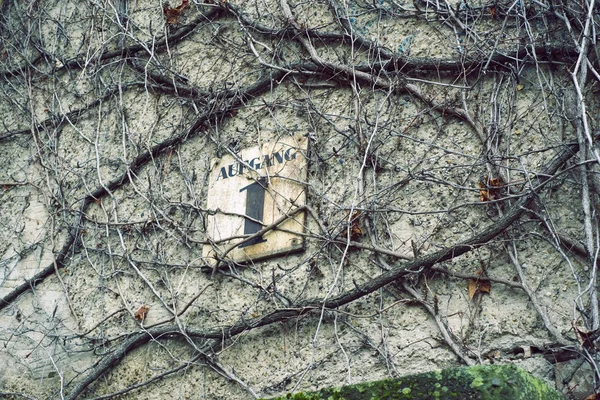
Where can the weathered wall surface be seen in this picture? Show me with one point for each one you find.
(449, 209)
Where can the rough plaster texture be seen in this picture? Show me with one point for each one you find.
(410, 170)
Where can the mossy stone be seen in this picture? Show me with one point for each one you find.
(491, 382)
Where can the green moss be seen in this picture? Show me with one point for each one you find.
(477, 382)
(492, 382)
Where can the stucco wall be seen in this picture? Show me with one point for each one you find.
(112, 118)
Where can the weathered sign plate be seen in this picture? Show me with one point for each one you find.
(256, 197)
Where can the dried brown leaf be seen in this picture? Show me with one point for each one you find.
(484, 286)
(480, 285)
(586, 337)
(141, 313)
(472, 286)
(173, 14)
(491, 189)
(355, 228)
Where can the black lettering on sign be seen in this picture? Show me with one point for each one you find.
(255, 205)
(261, 162)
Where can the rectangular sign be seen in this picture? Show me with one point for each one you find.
(256, 200)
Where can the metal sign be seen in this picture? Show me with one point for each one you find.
(256, 200)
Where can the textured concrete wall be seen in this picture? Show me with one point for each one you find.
(445, 220)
